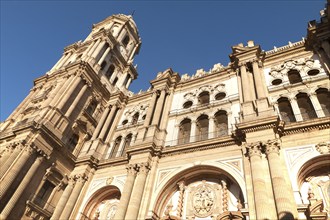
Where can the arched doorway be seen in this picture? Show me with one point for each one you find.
(200, 192)
(102, 204)
(314, 185)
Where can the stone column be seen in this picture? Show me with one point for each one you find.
(280, 188)
(151, 108)
(316, 105)
(93, 47)
(20, 189)
(258, 180)
(65, 60)
(252, 86)
(136, 197)
(103, 56)
(80, 181)
(108, 121)
(64, 85)
(73, 87)
(258, 80)
(58, 62)
(100, 123)
(120, 148)
(211, 127)
(166, 110)
(127, 191)
(295, 109)
(76, 101)
(88, 49)
(239, 84)
(64, 198)
(6, 154)
(245, 84)
(116, 117)
(62, 60)
(182, 187)
(159, 108)
(98, 49)
(128, 82)
(193, 131)
(15, 169)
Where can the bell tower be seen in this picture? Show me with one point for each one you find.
(109, 49)
(65, 108)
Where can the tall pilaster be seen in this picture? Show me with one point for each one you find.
(127, 191)
(193, 131)
(64, 198)
(159, 108)
(108, 121)
(263, 209)
(76, 100)
(136, 197)
(80, 181)
(22, 186)
(245, 84)
(258, 80)
(100, 123)
(280, 188)
(295, 109)
(15, 168)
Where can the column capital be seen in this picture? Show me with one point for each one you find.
(80, 177)
(143, 168)
(131, 169)
(254, 149)
(272, 146)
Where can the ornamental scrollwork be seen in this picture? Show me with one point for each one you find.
(203, 201)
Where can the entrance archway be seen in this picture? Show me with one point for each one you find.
(102, 204)
(200, 192)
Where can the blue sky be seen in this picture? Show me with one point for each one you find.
(183, 35)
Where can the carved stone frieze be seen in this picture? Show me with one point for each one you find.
(323, 148)
(203, 200)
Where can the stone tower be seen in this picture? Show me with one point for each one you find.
(67, 106)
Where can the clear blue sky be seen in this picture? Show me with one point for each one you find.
(183, 35)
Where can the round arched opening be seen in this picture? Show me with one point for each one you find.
(199, 192)
(276, 82)
(314, 182)
(102, 204)
(187, 104)
(220, 96)
(313, 72)
(124, 122)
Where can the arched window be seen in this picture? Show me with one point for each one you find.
(285, 110)
(110, 71)
(221, 123)
(135, 118)
(103, 64)
(127, 143)
(73, 141)
(220, 96)
(323, 95)
(126, 41)
(187, 104)
(115, 81)
(204, 98)
(91, 108)
(305, 105)
(116, 145)
(294, 76)
(184, 131)
(202, 127)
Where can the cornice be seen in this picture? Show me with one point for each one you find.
(199, 146)
(307, 126)
(259, 124)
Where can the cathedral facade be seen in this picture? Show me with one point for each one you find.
(250, 140)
